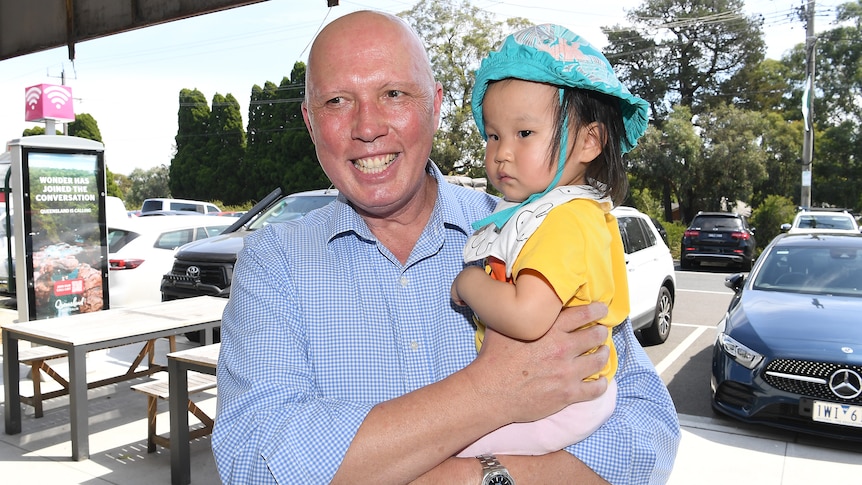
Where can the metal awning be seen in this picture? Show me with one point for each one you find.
(28, 26)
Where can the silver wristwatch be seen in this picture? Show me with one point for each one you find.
(493, 473)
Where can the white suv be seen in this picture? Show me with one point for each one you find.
(652, 281)
(821, 221)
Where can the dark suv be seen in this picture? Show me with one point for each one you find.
(207, 269)
(718, 237)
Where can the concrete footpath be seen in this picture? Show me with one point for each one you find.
(713, 450)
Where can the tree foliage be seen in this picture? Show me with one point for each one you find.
(215, 160)
(280, 151)
(725, 121)
(85, 126)
(697, 45)
(147, 184)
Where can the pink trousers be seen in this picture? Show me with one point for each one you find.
(566, 427)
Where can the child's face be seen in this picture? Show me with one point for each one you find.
(519, 122)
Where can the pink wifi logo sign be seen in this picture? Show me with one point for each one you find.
(48, 102)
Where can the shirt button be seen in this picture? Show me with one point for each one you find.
(403, 281)
(414, 345)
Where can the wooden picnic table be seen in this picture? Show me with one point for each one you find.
(83, 333)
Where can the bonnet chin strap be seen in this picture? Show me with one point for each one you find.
(500, 218)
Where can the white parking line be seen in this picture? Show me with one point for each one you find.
(671, 357)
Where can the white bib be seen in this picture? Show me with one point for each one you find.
(506, 243)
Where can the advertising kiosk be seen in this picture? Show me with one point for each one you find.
(59, 224)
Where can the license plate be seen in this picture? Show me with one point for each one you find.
(714, 235)
(843, 414)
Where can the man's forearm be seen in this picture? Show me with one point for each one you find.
(403, 438)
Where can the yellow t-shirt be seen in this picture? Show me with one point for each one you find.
(579, 251)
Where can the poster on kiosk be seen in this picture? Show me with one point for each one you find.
(58, 192)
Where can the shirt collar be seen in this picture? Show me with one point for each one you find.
(346, 220)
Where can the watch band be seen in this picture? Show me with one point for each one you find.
(493, 472)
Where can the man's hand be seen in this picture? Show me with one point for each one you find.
(525, 381)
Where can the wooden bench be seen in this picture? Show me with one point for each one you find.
(36, 358)
(158, 389)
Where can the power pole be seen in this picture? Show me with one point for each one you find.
(808, 106)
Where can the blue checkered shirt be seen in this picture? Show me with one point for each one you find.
(324, 322)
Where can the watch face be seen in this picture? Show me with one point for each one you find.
(500, 480)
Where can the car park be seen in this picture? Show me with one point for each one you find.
(651, 278)
(718, 237)
(141, 250)
(819, 221)
(788, 351)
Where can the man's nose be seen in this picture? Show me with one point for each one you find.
(370, 121)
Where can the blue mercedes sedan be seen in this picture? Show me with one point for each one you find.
(789, 350)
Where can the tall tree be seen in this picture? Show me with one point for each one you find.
(734, 160)
(220, 176)
(669, 160)
(280, 152)
(457, 36)
(191, 143)
(698, 44)
(85, 126)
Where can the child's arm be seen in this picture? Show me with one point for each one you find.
(524, 311)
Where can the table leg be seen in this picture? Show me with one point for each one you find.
(178, 387)
(12, 384)
(78, 415)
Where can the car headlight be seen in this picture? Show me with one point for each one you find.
(738, 352)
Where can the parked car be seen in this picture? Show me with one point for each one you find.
(718, 237)
(652, 281)
(141, 250)
(206, 267)
(812, 221)
(152, 205)
(789, 349)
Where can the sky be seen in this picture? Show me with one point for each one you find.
(130, 82)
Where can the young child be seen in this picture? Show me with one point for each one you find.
(557, 122)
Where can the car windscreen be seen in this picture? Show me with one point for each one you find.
(817, 270)
(826, 222)
(290, 208)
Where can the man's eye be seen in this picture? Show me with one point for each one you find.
(394, 93)
(524, 133)
(336, 100)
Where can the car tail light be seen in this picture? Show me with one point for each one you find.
(740, 235)
(117, 264)
(691, 233)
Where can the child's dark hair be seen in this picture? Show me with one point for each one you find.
(607, 172)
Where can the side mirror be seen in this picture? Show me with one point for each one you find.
(785, 227)
(734, 282)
